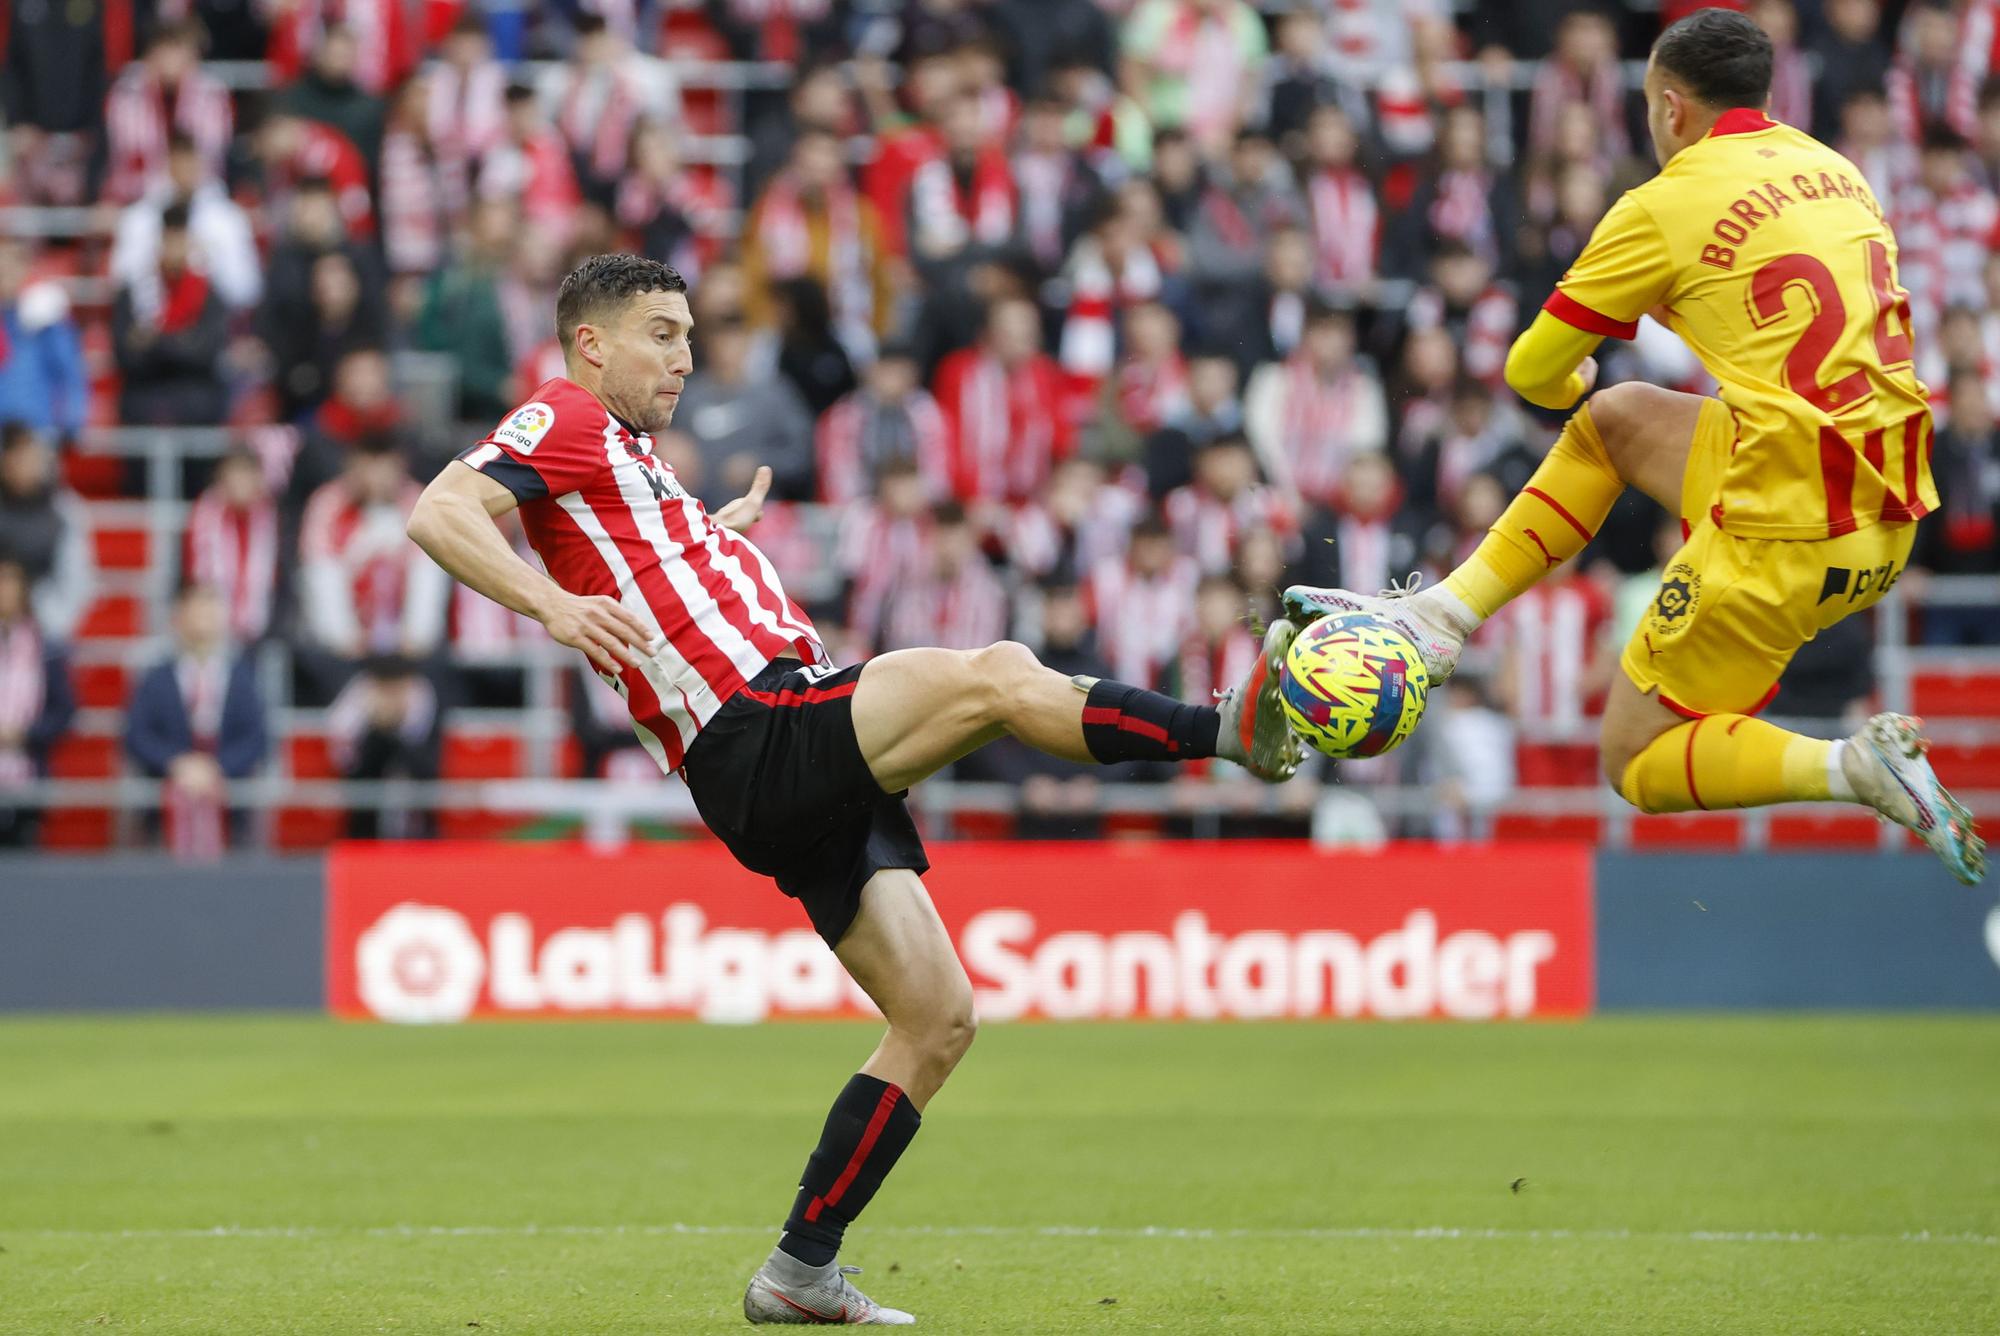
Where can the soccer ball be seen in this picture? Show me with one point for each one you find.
(1353, 686)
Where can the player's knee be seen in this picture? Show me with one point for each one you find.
(1616, 756)
(1002, 669)
(1621, 413)
(947, 1028)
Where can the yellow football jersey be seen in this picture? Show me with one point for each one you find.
(1775, 266)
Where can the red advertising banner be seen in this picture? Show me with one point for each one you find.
(443, 932)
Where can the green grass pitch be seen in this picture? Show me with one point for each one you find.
(1747, 1175)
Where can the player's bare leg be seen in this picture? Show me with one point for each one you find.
(902, 957)
(1627, 435)
(918, 710)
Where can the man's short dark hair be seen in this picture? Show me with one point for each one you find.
(174, 218)
(604, 283)
(1722, 57)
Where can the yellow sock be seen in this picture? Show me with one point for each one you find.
(1728, 760)
(1558, 511)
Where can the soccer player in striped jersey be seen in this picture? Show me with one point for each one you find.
(799, 766)
(1798, 488)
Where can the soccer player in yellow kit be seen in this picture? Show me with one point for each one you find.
(1798, 489)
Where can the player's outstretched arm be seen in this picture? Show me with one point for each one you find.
(453, 522)
(1550, 364)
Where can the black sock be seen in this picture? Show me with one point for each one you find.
(1128, 723)
(866, 1130)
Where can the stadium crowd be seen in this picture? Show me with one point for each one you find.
(1090, 324)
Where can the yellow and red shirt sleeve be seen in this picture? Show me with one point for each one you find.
(1624, 271)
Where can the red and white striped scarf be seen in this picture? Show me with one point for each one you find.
(1151, 393)
(1949, 97)
(22, 692)
(139, 115)
(383, 53)
(465, 115)
(1602, 90)
(949, 215)
(1347, 225)
(784, 231)
(1141, 620)
(1318, 416)
(194, 825)
(1209, 666)
(1202, 49)
(1462, 210)
(412, 197)
(1097, 298)
(876, 551)
(858, 435)
(598, 109)
(1006, 429)
(236, 551)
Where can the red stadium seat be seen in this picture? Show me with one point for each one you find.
(113, 615)
(1562, 765)
(1539, 826)
(1806, 828)
(1963, 765)
(483, 756)
(76, 829)
(84, 756)
(294, 829)
(1949, 692)
(102, 686)
(94, 476)
(1688, 830)
(120, 549)
(310, 756)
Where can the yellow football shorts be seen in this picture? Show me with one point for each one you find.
(1732, 611)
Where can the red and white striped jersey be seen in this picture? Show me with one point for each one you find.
(859, 434)
(1142, 619)
(962, 609)
(1551, 635)
(876, 551)
(236, 552)
(139, 114)
(1208, 528)
(1347, 227)
(607, 517)
(1942, 244)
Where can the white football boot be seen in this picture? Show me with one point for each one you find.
(1438, 642)
(1887, 765)
(787, 1292)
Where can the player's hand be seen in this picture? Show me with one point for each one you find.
(745, 510)
(603, 628)
(1588, 370)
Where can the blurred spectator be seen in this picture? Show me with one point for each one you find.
(1242, 208)
(668, 212)
(293, 151)
(487, 640)
(1478, 433)
(1557, 655)
(414, 220)
(364, 589)
(951, 598)
(601, 722)
(45, 529)
(1209, 515)
(36, 701)
(1003, 403)
(42, 378)
(1346, 218)
(361, 408)
(169, 336)
(197, 721)
(1057, 187)
(1366, 538)
(1190, 64)
(1270, 310)
(882, 543)
(387, 725)
(1461, 198)
(1308, 414)
(600, 95)
(52, 86)
(1110, 271)
(1142, 603)
(385, 48)
(962, 202)
(530, 165)
(1961, 540)
(1467, 758)
(1212, 409)
(1830, 682)
(224, 248)
(1945, 225)
(1868, 139)
(308, 345)
(742, 416)
(892, 418)
(232, 544)
(1851, 57)
(1480, 315)
(1220, 647)
(1929, 86)
(1077, 522)
(466, 109)
(822, 97)
(1584, 70)
(166, 91)
(1791, 68)
(1148, 388)
(809, 353)
(328, 91)
(812, 222)
(462, 315)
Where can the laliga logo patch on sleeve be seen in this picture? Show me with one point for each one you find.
(525, 427)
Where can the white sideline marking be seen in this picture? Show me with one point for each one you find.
(1439, 1233)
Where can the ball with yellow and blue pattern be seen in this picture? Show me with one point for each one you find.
(1353, 686)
